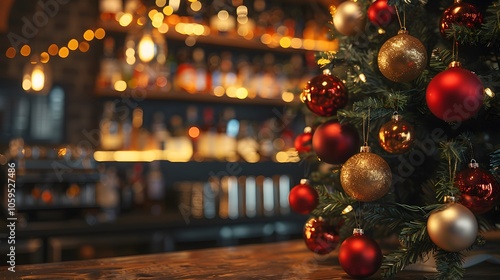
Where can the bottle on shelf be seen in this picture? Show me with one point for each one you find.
(110, 8)
(159, 131)
(247, 146)
(185, 76)
(110, 71)
(179, 147)
(228, 74)
(107, 193)
(227, 131)
(202, 81)
(138, 185)
(207, 143)
(193, 129)
(111, 133)
(155, 189)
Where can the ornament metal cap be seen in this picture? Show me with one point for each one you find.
(403, 30)
(358, 231)
(327, 72)
(454, 64)
(396, 117)
(473, 164)
(307, 129)
(365, 149)
(449, 199)
(304, 181)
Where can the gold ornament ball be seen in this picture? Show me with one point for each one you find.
(349, 18)
(402, 58)
(396, 136)
(452, 229)
(366, 177)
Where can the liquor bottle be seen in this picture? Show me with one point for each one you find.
(110, 8)
(247, 146)
(193, 129)
(207, 140)
(202, 81)
(138, 185)
(186, 73)
(179, 147)
(214, 62)
(269, 86)
(228, 71)
(109, 66)
(227, 132)
(155, 189)
(107, 193)
(159, 131)
(111, 134)
(136, 142)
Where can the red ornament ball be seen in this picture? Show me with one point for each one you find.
(303, 198)
(455, 94)
(334, 143)
(381, 14)
(320, 236)
(480, 190)
(303, 141)
(460, 13)
(324, 94)
(360, 256)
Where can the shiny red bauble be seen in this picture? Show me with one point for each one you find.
(324, 95)
(334, 143)
(303, 198)
(381, 14)
(360, 256)
(303, 141)
(320, 236)
(455, 95)
(460, 13)
(480, 190)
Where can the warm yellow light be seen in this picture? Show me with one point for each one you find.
(241, 93)
(54, 49)
(161, 3)
(309, 44)
(195, 6)
(37, 78)
(44, 57)
(88, 35)
(347, 209)
(26, 83)
(188, 29)
(223, 15)
(120, 85)
(266, 39)
(231, 91)
(287, 96)
(296, 43)
(198, 29)
(168, 10)
(73, 44)
(25, 50)
(158, 17)
(174, 4)
(99, 33)
(281, 157)
(194, 132)
(219, 91)
(126, 19)
(163, 28)
(84, 47)
(285, 42)
(11, 52)
(489, 92)
(146, 48)
(63, 52)
(242, 19)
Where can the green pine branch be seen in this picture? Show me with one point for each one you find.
(449, 265)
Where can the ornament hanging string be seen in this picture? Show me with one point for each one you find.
(366, 128)
(401, 25)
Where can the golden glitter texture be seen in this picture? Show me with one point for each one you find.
(366, 177)
(402, 58)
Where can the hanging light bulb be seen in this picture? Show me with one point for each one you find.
(146, 48)
(37, 77)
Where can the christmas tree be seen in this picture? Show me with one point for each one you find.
(404, 134)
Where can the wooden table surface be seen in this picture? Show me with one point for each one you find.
(284, 260)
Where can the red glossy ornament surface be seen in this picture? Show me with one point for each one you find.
(303, 141)
(360, 256)
(320, 236)
(334, 143)
(324, 95)
(303, 198)
(381, 14)
(480, 190)
(455, 95)
(460, 13)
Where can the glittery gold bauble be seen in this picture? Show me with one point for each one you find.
(452, 229)
(396, 136)
(402, 58)
(365, 176)
(349, 18)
